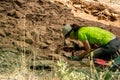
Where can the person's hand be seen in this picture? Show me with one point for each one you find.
(78, 55)
(74, 58)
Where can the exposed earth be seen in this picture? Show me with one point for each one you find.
(32, 29)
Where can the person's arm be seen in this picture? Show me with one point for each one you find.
(87, 49)
(87, 46)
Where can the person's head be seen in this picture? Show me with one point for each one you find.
(69, 30)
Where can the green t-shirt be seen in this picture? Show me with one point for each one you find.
(95, 35)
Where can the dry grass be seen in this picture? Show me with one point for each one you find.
(22, 71)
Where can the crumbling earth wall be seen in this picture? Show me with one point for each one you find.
(34, 26)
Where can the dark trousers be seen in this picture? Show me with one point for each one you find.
(107, 51)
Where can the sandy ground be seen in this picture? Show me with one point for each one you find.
(33, 27)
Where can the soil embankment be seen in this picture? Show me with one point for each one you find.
(34, 27)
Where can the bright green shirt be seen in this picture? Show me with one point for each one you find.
(95, 35)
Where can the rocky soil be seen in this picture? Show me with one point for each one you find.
(33, 27)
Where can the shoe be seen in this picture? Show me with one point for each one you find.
(116, 64)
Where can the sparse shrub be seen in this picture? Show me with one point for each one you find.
(66, 73)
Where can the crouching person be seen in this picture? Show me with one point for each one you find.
(108, 44)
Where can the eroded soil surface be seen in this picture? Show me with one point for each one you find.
(34, 27)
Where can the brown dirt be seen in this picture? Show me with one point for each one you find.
(34, 26)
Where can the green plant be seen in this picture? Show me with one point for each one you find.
(64, 72)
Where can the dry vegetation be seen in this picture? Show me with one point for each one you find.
(31, 46)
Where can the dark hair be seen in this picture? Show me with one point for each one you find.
(75, 27)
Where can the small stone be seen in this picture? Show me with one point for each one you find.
(77, 6)
(2, 33)
(49, 41)
(113, 17)
(106, 12)
(29, 41)
(18, 15)
(2, 9)
(20, 2)
(43, 45)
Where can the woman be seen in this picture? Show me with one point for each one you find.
(108, 44)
